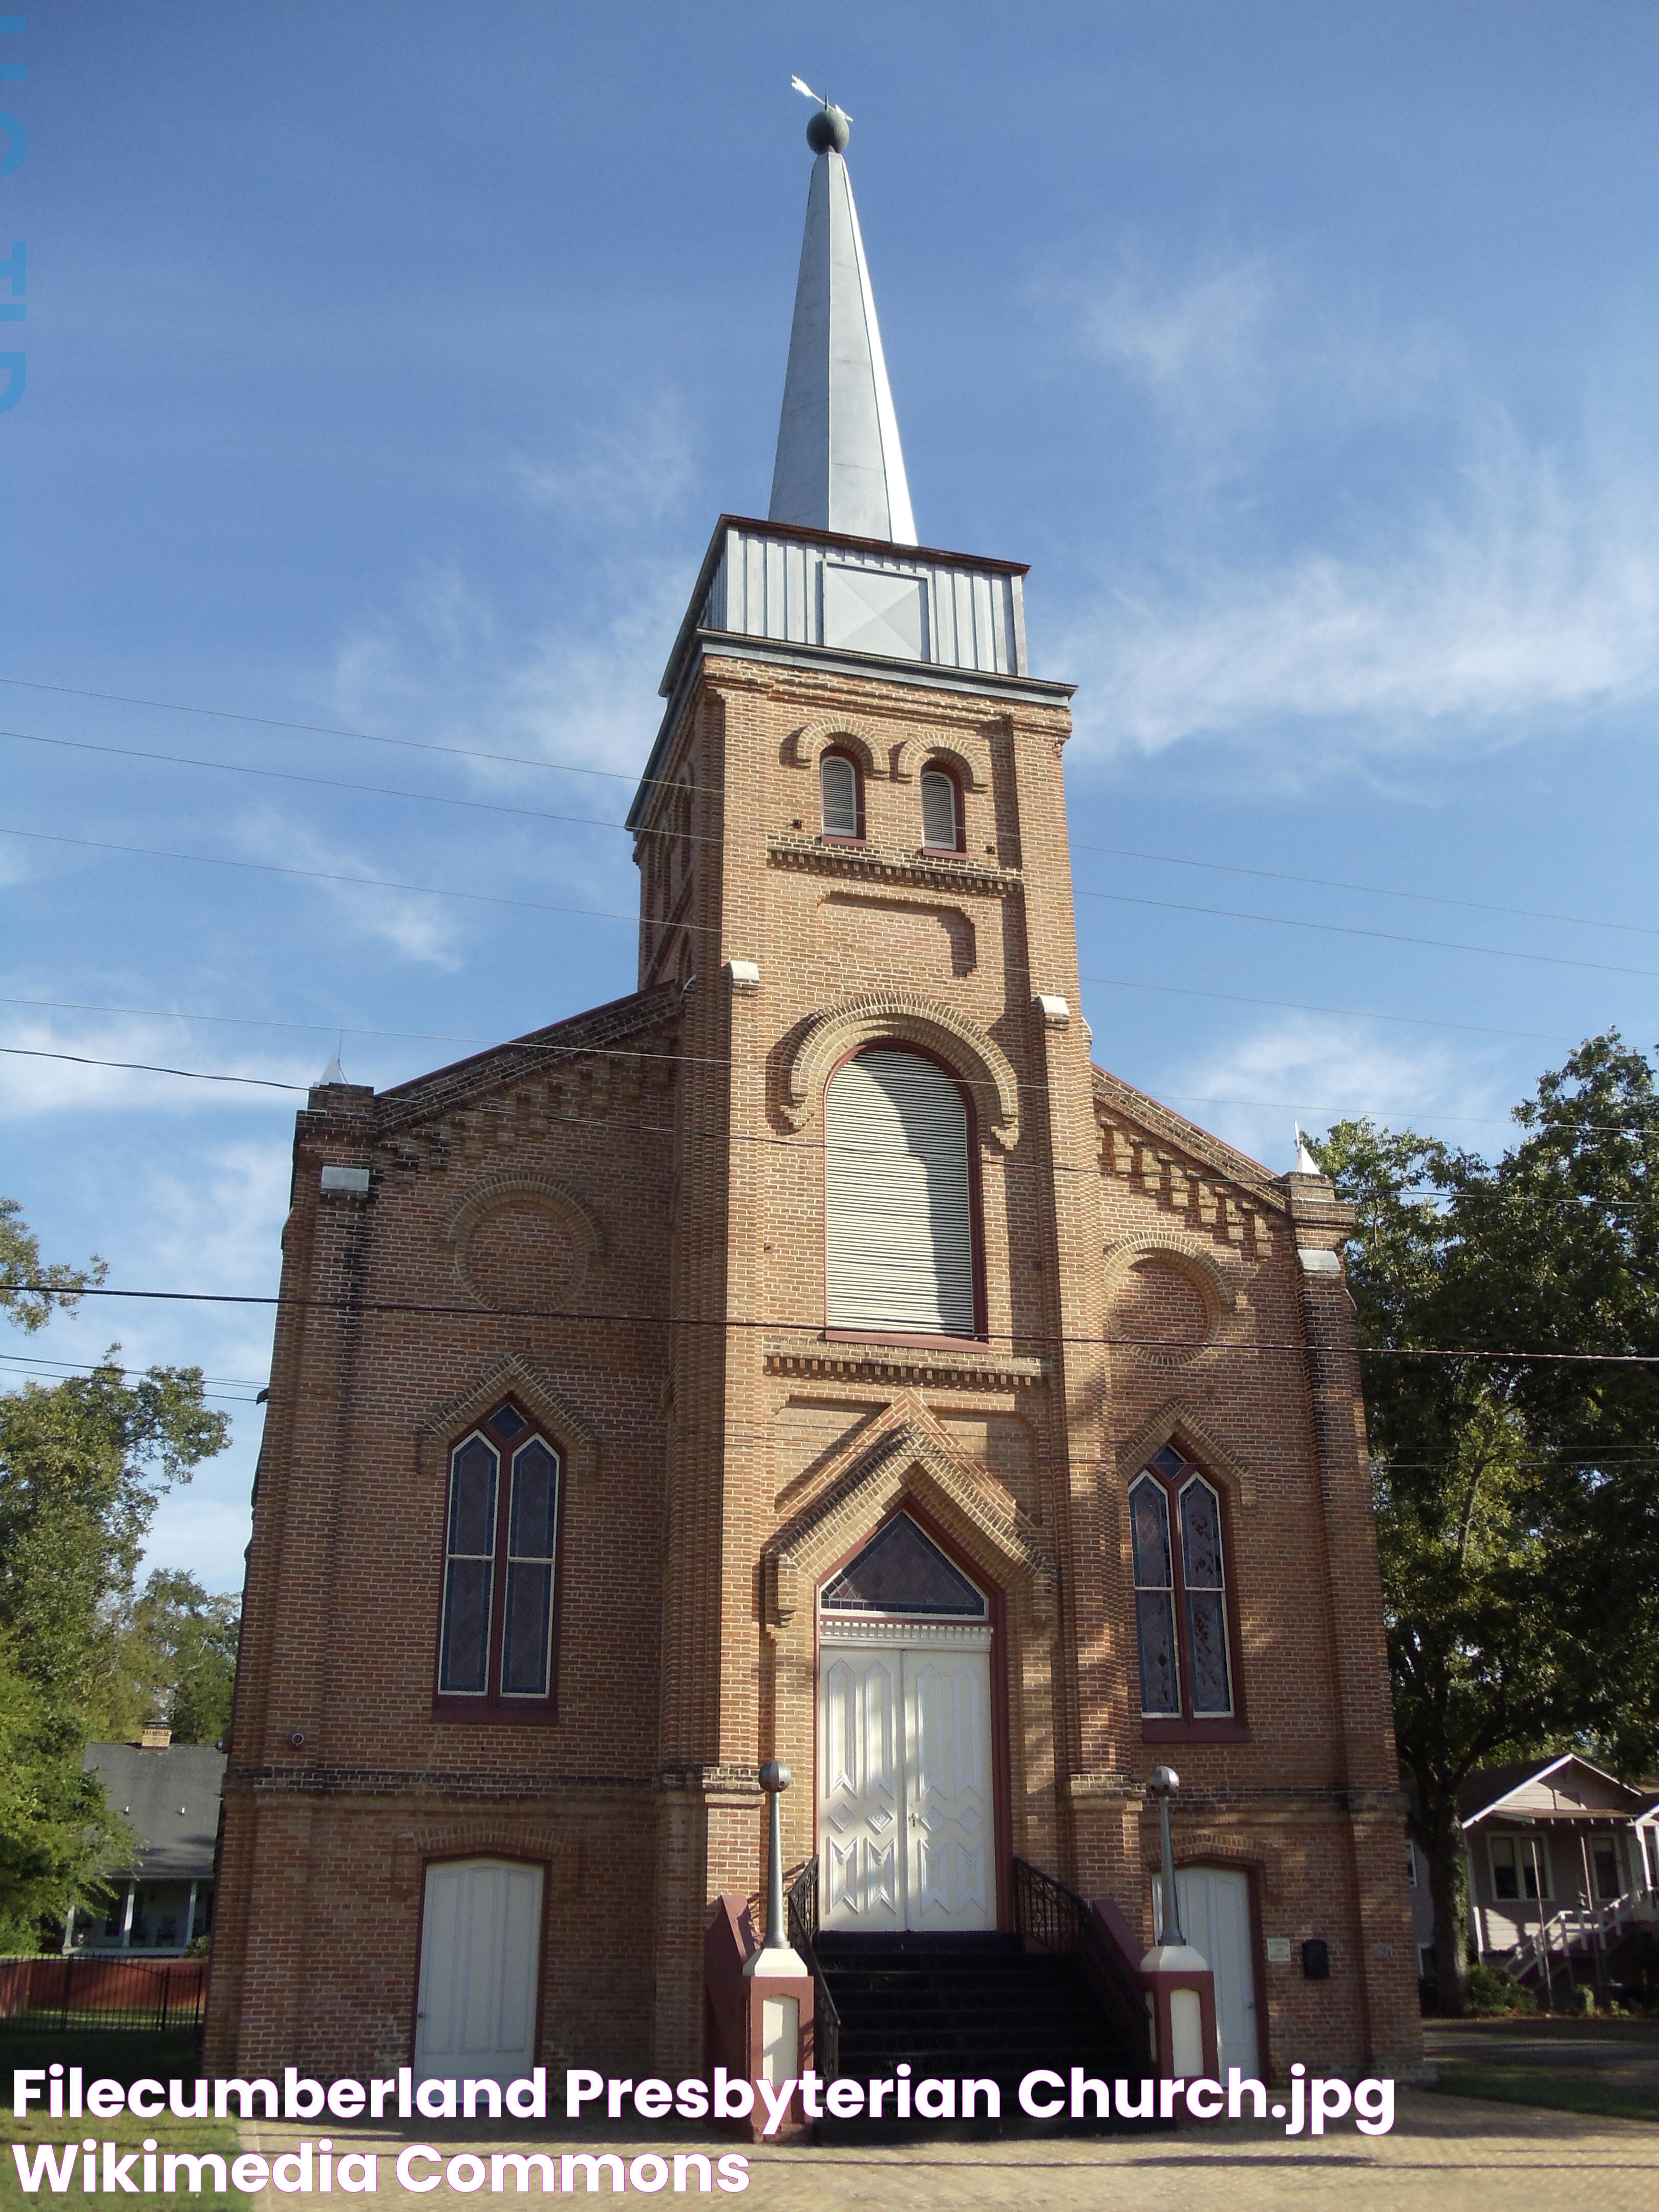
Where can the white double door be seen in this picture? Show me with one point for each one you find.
(480, 1946)
(906, 1824)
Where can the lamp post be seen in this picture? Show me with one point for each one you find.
(1163, 1785)
(775, 1779)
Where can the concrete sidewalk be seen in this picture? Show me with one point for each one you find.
(1445, 2155)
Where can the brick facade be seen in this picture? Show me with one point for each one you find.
(618, 1221)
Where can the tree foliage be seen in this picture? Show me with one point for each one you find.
(82, 1464)
(1517, 1505)
(30, 1289)
(176, 1659)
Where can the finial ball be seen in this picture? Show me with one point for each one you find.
(827, 128)
(774, 1776)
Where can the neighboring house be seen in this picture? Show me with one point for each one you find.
(1563, 1865)
(168, 1796)
(809, 1355)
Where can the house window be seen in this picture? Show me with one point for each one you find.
(898, 1196)
(840, 796)
(501, 1553)
(1604, 1857)
(941, 812)
(1518, 1865)
(1181, 1593)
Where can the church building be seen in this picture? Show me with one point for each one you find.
(810, 1356)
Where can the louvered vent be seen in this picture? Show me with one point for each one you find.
(901, 1246)
(938, 810)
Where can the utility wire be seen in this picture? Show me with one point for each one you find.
(706, 929)
(440, 1037)
(876, 1351)
(602, 822)
(654, 1129)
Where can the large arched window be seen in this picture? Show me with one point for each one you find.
(898, 1197)
(501, 1558)
(1181, 1593)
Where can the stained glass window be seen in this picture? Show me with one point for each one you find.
(1207, 1602)
(468, 1569)
(495, 1642)
(901, 1570)
(1160, 1688)
(1180, 1592)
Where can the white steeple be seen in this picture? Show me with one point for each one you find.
(839, 466)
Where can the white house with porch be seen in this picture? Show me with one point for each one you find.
(168, 1796)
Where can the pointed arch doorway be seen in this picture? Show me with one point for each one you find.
(906, 1792)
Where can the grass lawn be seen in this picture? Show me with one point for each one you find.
(120, 2057)
(1579, 2091)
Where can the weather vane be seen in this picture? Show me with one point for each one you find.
(829, 128)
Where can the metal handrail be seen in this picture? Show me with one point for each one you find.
(802, 1931)
(1060, 1920)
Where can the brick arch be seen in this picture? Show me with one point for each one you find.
(968, 758)
(535, 1194)
(1193, 1260)
(1174, 1423)
(510, 1375)
(802, 746)
(827, 1038)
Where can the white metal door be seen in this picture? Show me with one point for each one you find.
(905, 1808)
(480, 1949)
(1215, 1918)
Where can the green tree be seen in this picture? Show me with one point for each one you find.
(82, 1463)
(1516, 1498)
(30, 1289)
(177, 1657)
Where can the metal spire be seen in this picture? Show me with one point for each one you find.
(839, 466)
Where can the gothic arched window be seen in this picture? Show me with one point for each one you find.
(841, 796)
(500, 1559)
(898, 1190)
(1181, 1593)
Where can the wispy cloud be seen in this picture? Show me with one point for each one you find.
(32, 1082)
(413, 924)
(1317, 1069)
(1465, 589)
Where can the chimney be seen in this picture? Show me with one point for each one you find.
(154, 1735)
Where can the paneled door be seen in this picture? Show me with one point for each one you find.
(905, 1806)
(480, 1943)
(1215, 1918)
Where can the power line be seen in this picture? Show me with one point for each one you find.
(92, 1367)
(147, 1068)
(601, 821)
(877, 1350)
(705, 929)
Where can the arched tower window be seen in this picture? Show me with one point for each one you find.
(898, 1197)
(840, 796)
(941, 812)
(496, 1644)
(1181, 1593)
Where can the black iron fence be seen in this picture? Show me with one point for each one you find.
(1060, 1920)
(44, 1995)
(803, 1935)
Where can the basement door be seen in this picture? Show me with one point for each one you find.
(905, 1826)
(481, 1943)
(1215, 1918)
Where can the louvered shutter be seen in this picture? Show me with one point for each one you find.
(938, 810)
(839, 786)
(900, 1229)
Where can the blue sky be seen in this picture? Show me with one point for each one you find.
(388, 365)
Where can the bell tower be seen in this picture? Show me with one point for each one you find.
(853, 844)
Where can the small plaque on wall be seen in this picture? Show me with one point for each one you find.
(1278, 1950)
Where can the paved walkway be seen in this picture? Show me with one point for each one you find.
(1445, 2155)
(1623, 2053)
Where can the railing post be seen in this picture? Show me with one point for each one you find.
(1179, 1982)
(780, 1989)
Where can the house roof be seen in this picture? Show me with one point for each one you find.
(170, 1801)
(1533, 1789)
